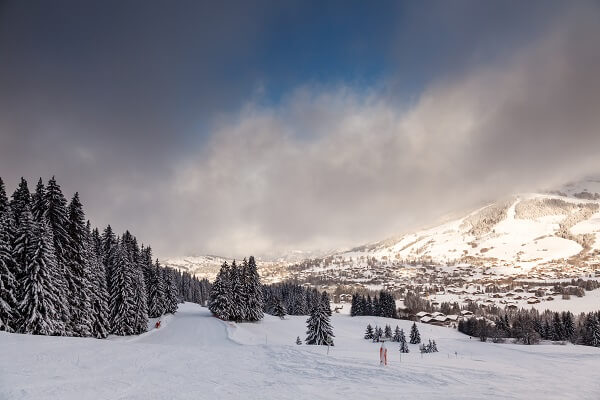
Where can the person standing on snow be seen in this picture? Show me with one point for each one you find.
(382, 354)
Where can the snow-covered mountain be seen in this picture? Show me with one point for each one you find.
(524, 230)
(519, 231)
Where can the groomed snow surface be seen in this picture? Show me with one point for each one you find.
(196, 356)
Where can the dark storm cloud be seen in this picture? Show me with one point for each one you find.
(157, 115)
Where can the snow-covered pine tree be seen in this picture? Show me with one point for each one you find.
(369, 306)
(415, 337)
(377, 334)
(121, 305)
(326, 302)
(37, 308)
(171, 300)
(279, 309)
(376, 306)
(298, 341)
(220, 294)
(147, 268)
(8, 283)
(109, 241)
(369, 332)
(57, 217)
(592, 331)
(403, 344)
(21, 201)
(24, 242)
(38, 202)
(97, 280)
(140, 300)
(4, 208)
(388, 332)
(254, 292)
(239, 309)
(569, 325)
(396, 337)
(157, 292)
(354, 306)
(77, 278)
(557, 327)
(319, 328)
(433, 346)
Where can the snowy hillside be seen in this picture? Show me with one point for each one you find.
(200, 266)
(514, 235)
(524, 231)
(196, 356)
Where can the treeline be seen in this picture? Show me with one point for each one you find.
(59, 276)
(193, 289)
(293, 298)
(531, 326)
(382, 306)
(236, 294)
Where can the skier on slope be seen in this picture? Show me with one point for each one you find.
(382, 354)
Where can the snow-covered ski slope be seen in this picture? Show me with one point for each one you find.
(196, 356)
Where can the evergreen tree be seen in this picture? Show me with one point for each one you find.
(220, 296)
(326, 302)
(279, 309)
(38, 202)
(24, 243)
(4, 208)
(369, 332)
(378, 334)
(109, 241)
(415, 337)
(355, 305)
(432, 347)
(319, 328)
(157, 293)
(57, 217)
(237, 277)
(77, 278)
(121, 305)
(369, 306)
(363, 306)
(376, 307)
(21, 201)
(254, 292)
(171, 301)
(558, 327)
(402, 340)
(37, 308)
(388, 332)
(592, 331)
(569, 325)
(140, 301)
(99, 291)
(396, 337)
(8, 282)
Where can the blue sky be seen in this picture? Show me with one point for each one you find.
(183, 106)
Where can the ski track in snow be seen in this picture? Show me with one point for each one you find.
(196, 356)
